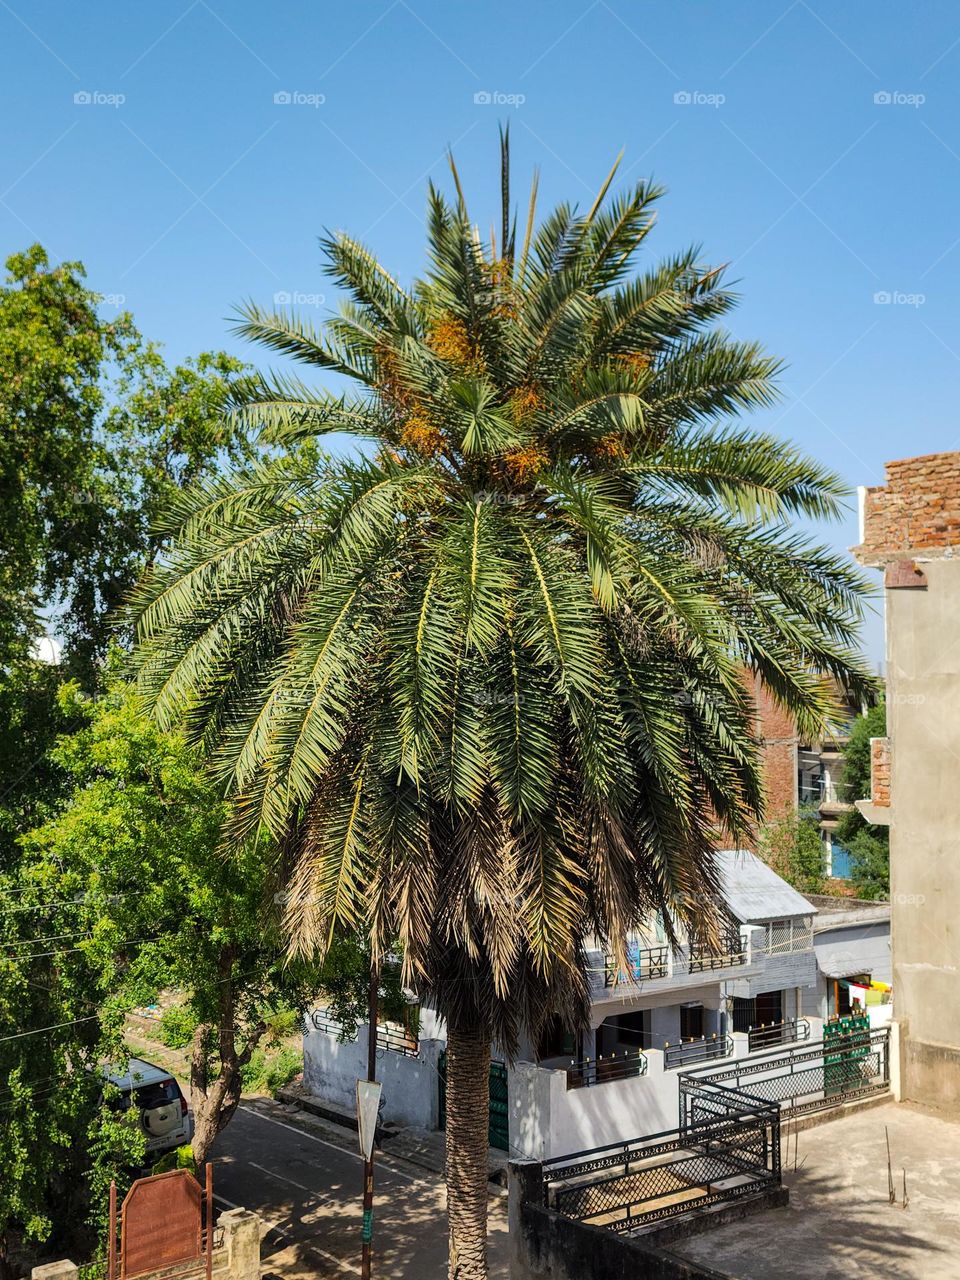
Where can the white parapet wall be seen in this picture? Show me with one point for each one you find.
(331, 1069)
(547, 1119)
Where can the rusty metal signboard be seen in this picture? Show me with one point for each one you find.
(162, 1223)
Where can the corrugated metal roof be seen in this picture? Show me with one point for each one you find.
(754, 892)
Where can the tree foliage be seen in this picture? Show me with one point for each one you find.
(483, 679)
(869, 845)
(96, 434)
(793, 848)
(122, 893)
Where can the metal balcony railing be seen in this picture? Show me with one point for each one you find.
(771, 1034)
(821, 793)
(586, 1072)
(688, 1053)
(731, 953)
(643, 963)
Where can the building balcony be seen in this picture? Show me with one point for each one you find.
(661, 968)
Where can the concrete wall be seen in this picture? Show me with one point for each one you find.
(923, 722)
(910, 527)
(547, 1119)
(410, 1085)
(856, 949)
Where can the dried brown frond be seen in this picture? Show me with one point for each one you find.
(389, 382)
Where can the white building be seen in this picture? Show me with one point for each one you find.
(770, 984)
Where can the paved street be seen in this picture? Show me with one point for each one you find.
(307, 1188)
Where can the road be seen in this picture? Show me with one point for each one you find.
(307, 1189)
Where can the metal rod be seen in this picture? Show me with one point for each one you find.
(112, 1243)
(209, 1219)
(366, 1252)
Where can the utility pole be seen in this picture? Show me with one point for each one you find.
(366, 1255)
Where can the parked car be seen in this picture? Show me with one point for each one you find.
(164, 1114)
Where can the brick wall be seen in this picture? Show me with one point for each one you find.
(778, 736)
(917, 510)
(880, 772)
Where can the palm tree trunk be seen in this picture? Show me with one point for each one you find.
(467, 1150)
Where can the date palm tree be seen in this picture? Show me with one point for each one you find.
(482, 676)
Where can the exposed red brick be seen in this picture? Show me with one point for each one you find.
(917, 510)
(880, 772)
(778, 739)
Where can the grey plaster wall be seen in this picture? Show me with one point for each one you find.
(923, 711)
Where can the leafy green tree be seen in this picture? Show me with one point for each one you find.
(869, 845)
(52, 351)
(96, 433)
(484, 680)
(139, 845)
(61, 1140)
(31, 718)
(793, 848)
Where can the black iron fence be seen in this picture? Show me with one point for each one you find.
(731, 952)
(770, 1034)
(627, 1186)
(688, 1053)
(607, 1067)
(398, 1039)
(390, 1035)
(807, 1077)
(642, 965)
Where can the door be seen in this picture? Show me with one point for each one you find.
(691, 1022)
(498, 1134)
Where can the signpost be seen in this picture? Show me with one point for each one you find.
(368, 1108)
(368, 1100)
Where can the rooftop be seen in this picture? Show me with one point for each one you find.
(840, 1222)
(754, 892)
(834, 911)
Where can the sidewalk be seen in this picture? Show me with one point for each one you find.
(424, 1148)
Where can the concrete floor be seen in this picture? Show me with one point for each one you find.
(839, 1222)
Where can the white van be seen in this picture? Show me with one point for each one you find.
(164, 1114)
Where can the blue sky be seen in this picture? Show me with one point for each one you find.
(814, 146)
